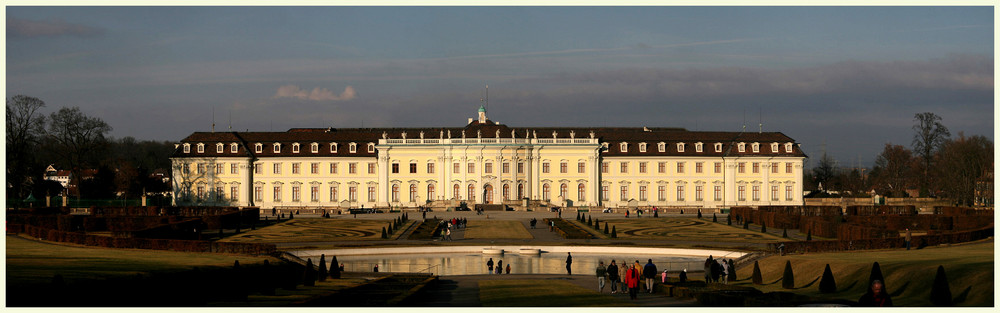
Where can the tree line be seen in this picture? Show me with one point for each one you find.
(935, 164)
(71, 140)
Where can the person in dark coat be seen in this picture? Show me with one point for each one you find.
(716, 270)
(683, 277)
(708, 269)
(876, 296)
(649, 272)
(613, 276)
(489, 266)
(499, 267)
(569, 264)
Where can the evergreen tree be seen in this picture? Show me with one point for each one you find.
(309, 275)
(322, 268)
(606, 228)
(590, 221)
(291, 215)
(763, 228)
(940, 292)
(827, 284)
(784, 233)
(597, 224)
(756, 277)
(578, 217)
(384, 234)
(614, 233)
(334, 268)
(714, 218)
(809, 235)
(788, 278)
(877, 274)
(699, 213)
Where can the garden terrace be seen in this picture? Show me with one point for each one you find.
(569, 230)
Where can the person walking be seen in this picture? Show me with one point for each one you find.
(499, 267)
(908, 237)
(569, 264)
(633, 282)
(489, 266)
(613, 277)
(649, 271)
(708, 269)
(725, 272)
(508, 269)
(663, 279)
(448, 234)
(622, 273)
(602, 274)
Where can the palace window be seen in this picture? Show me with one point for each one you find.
(624, 191)
(295, 147)
(333, 147)
(218, 168)
(604, 193)
(698, 147)
(258, 168)
(661, 193)
(472, 192)
(718, 193)
(352, 168)
(774, 147)
(201, 148)
(520, 167)
(742, 193)
(333, 168)
(642, 193)
(333, 194)
(233, 148)
(545, 167)
(277, 168)
(520, 191)
(371, 147)
(680, 167)
(395, 193)
(680, 147)
(774, 193)
(680, 193)
(506, 168)
(545, 191)
(563, 167)
(352, 194)
(277, 147)
(756, 147)
(413, 192)
(187, 148)
(371, 168)
(258, 193)
(234, 169)
(295, 168)
(624, 167)
(563, 191)
(314, 147)
(314, 193)
(456, 168)
(774, 167)
(430, 168)
(457, 191)
(277, 194)
(642, 147)
(756, 167)
(604, 167)
(788, 167)
(718, 147)
(488, 168)
(661, 147)
(581, 192)
(742, 147)
(788, 193)
(698, 167)
(220, 148)
(395, 168)
(742, 167)
(661, 167)
(295, 194)
(258, 148)
(623, 147)
(756, 193)
(314, 168)
(472, 168)
(698, 193)
(413, 168)
(430, 193)
(506, 192)
(581, 167)
(788, 147)
(372, 197)
(642, 167)
(352, 148)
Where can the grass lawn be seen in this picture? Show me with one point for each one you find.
(30, 261)
(317, 229)
(541, 293)
(494, 229)
(908, 274)
(683, 228)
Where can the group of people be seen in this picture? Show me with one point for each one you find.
(629, 277)
(499, 267)
(717, 270)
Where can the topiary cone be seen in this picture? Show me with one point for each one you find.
(756, 277)
(746, 225)
(877, 274)
(763, 228)
(784, 233)
(788, 278)
(940, 292)
(334, 268)
(809, 235)
(322, 268)
(384, 234)
(827, 284)
(309, 276)
(606, 228)
(714, 218)
(614, 233)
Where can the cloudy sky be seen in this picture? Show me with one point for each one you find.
(849, 79)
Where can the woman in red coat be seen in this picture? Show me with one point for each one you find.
(632, 279)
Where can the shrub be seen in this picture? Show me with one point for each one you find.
(788, 278)
(699, 213)
(578, 217)
(606, 228)
(714, 218)
(827, 284)
(614, 233)
(334, 268)
(590, 221)
(384, 234)
(763, 228)
(597, 224)
(784, 233)
(940, 292)
(877, 274)
(309, 275)
(291, 215)
(755, 277)
(322, 268)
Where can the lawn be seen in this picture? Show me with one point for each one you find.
(30, 261)
(682, 229)
(541, 293)
(908, 274)
(317, 230)
(494, 229)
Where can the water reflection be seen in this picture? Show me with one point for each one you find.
(475, 263)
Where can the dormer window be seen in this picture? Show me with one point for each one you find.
(698, 147)
(219, 148)
(371, 147)
(314, 147)
(277, 147)
(774, 147)
(233, 147)
(756, 147)
(742, 147)
(187, 148)
(333, 147)
(718, 147)
(353, 148)
(604, 147)
(642, 147)
(661, 147)
(680, 147)
(623, 147)
(258, 148)
(295, 147)
(201, 148)
(788, 147)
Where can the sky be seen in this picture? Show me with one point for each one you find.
(844, 80)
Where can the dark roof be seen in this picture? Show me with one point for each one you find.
(614, 136)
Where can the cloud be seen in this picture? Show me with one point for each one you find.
(317, 94)
(21, 28)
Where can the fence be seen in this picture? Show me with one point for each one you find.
(146, 243)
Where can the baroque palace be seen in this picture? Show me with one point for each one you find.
(488, 163)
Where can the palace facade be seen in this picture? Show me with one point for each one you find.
(488, 163)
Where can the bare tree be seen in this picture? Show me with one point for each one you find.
(24, 126)
(894, 169)
(962, 163)
(825, 171)
(931, 134)
(76, 138)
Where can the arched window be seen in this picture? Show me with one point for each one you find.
(581, 192)
(520, 191)
(562, 191)
(472, 192)
(395, 193)
(430, 193)
(545, 191)
(456, 192)
(506, 192)
(413, 192)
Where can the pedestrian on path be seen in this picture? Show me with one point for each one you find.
(508, 269)
(622, 274)
(725, 272)
(569, 264)
(633, 281)
(489, 266)
(908, 237)
(664, 278)
(613, 276)
(499, 267)
(448, 234)
(649, 271)
(602, 273)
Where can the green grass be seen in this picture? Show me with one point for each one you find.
(30, 261)
(316, 230)
(908, 274)
(541, 293)
(494, 229)
(682, 229)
